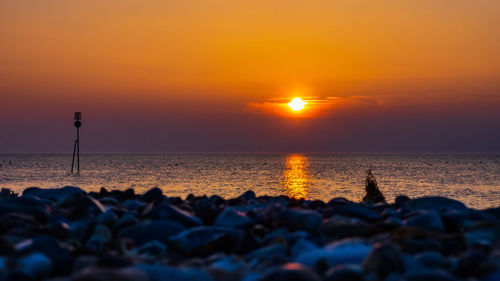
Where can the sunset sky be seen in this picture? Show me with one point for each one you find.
(216, 76)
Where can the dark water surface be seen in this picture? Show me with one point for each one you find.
(472, 179)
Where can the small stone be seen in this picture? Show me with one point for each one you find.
(35, 265)
(344, 273)
(382, 260)
(290, 272)
(153, 195)
(232, 218)
(430, 220)
(166, 211)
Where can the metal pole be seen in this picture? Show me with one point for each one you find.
(73, 161)
(78, 147)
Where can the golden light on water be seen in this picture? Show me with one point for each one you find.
(297, 104)
(296, 177)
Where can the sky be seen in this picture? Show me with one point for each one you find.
(155, 76)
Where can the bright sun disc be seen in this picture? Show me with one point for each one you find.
(297, 104)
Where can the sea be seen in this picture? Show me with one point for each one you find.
(472, 179)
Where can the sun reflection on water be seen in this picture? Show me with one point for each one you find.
(296, 176)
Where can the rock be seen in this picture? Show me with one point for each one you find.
(347, 251)
(146, 231)
(302, 246)
(99, 238)
(35, 265)
(338, 227)
(87, 206)
(206, 210)
(133, 204)
(344, 273)
(269, 252)
(108, 201)
(435, 203)
(108, 260)
(290, 272)
(382, 260)
(166, 273)
(353, 211)
(153, 195)
(429, 275)
(230, 217)
(111, 274)
(480, 238)
(108, 218)
(493, 212)
(473, 262)
(430, 220)
(401, 200)
(126, 220)
(373, 194)
(26, 206)
(228, 269)
(308, 220)
(206, 240)
(57, 252)
(65, 196)
(166, 211)
(247, 196)
(432, 260)
(151, 250)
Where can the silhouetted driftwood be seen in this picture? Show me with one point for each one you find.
(373, 194)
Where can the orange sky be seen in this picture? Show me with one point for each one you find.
(209, 57)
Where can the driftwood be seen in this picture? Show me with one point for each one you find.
(373, 194)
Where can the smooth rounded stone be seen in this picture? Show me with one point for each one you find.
(206, 240)
(64, 196)
(35, 265)
(101, 236)
(145, 231)
(206, 210)
(27, 206)
(493, 212)
(347, 251)
(108, 201)
(429, 275)
(152, 195)
(429, 220)
(344, 273)
(479, 238)
(108, 260)
(58, 253)
(86, 206)
(14, 220)
(6, 247)
(473, 262)
(353, 211)
(228, 268)
(108, 218)
(290, 272)
(401, 200)
(432, 260)
(339, 227)
(302, 246)
(268, 252)
(308, 220)
(383, 259)
(112, 274)
(247, 196)
(389, 212)
(166, 211)
(230, 217)
(150, 250)
(435, 203)
(339, 201)
(127, 219)
(133, 204)
(158, 272)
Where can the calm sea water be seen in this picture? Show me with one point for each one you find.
(472, 179)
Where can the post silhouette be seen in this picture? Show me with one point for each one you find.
(76, 147)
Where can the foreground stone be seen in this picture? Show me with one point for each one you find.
(68, 234)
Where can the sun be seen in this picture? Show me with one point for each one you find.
(297, 104)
